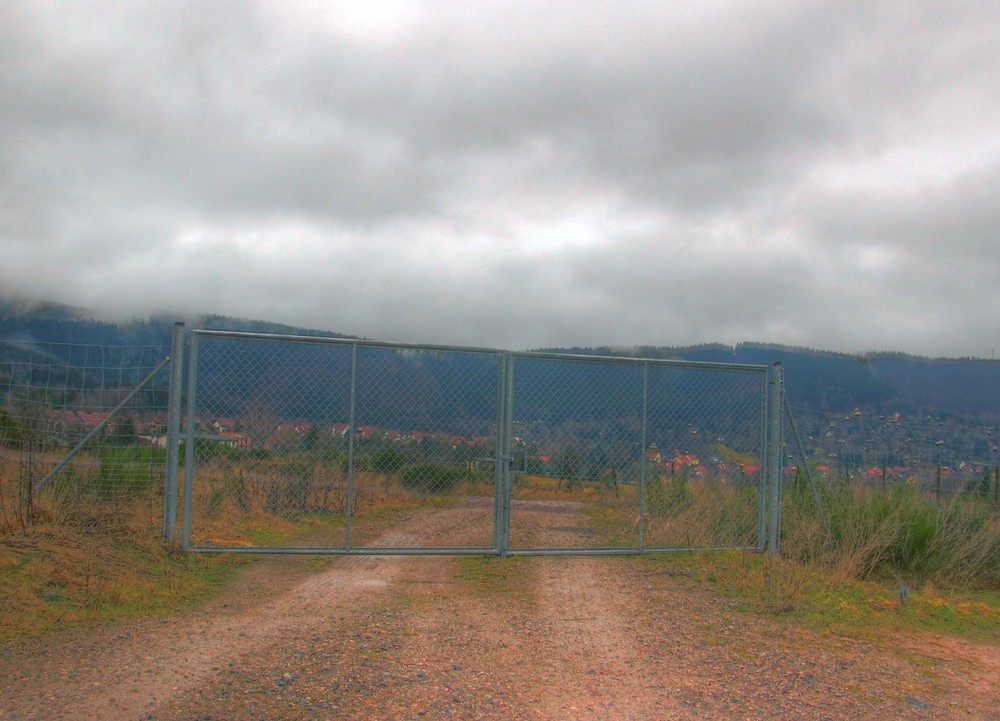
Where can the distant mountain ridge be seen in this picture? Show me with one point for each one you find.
(967, 390)
(882, 383)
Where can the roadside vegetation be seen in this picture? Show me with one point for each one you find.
(248, 498)
(87, 549)
(896, 560)
(901, 536)
(808, 594)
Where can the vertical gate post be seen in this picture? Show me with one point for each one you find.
(643, 463)
(351, 424)
(504, 434)
(189, 436)
(173, 432)
(498, 447)
(774, 459)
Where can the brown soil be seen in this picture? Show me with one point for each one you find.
(541, 638)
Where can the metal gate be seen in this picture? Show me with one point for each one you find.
(302, 444)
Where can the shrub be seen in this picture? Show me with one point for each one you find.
(431, 479)
(919, 530)
(668, 497)
(388, 460)
(293, 488)
(11, 430)
(123, 432)
(127, 471)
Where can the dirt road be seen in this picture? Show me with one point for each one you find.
(446, 637)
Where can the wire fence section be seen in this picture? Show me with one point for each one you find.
(636, 455)
(300, 444)
(939, 456)
(82, 428)
(316, 443)
(377, 446)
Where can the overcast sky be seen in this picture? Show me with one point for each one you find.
(511, 174)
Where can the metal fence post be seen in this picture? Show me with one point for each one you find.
(504, 447)
(173, 432)
(762, 485)
(498, 446)
(351, 422)
(774, 460)
(189, 450)
(643, 463)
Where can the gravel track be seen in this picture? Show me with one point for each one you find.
(412, 638)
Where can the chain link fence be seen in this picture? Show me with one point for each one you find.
(361, 445)
(82, 433)
(301, 443)
(637, 455)
(940, 457)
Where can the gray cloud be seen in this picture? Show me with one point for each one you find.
(513, 174)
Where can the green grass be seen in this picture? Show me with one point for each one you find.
(60, 577)
(897, 536)
(493, 577)
(808, 595)
(312, 529)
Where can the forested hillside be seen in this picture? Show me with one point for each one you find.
(962, 389)
(882, 383)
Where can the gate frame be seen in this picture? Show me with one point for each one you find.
(769, 492)
(771, 421)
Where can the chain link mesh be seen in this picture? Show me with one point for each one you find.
(352, 442)
(55, 397)
(370, 445)
(938, 456)
(381, 446)
(629, 455)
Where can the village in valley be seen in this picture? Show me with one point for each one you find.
(946, 456)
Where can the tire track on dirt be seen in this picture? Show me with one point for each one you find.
(592, 645)
(126, 671)
(587, 635)
(572, 637)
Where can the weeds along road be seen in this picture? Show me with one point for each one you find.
(480, 638)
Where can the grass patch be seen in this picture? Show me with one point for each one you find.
(269, 505)
(616, 525)
(862, 609)
(59, 577)
(529, 487)
(901, 535)
(494, 577)
(310, 530)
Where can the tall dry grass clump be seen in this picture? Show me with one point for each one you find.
(901, 533)
(701, 513)
(109, 488)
